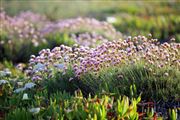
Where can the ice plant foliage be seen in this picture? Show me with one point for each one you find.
(115, 53)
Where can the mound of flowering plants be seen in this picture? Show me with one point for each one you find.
(111, 54)
(81, 25)
(113, 67)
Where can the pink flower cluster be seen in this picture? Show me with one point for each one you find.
(82, 25)
(115, 53)
(57, 59)
(130, 51)
(24, 27)
(34, 18)
(88, 39)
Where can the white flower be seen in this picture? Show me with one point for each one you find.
(68, 110)
(34, 110)
(20, 83)
(48, 117)
(2, 73)
(39, 67)
(70, 79)
(19, 90)
(66, 58)
(26, 86)
(35, 43)
(6, 72)
(25, 96)
(3, 82)
(166, 74)
(111, 19)
(29, 85)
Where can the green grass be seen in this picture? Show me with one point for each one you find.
(152, 85)
(161, 27)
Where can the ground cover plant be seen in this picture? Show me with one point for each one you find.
(117, 61)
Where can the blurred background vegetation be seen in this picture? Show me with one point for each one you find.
(160, 17)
